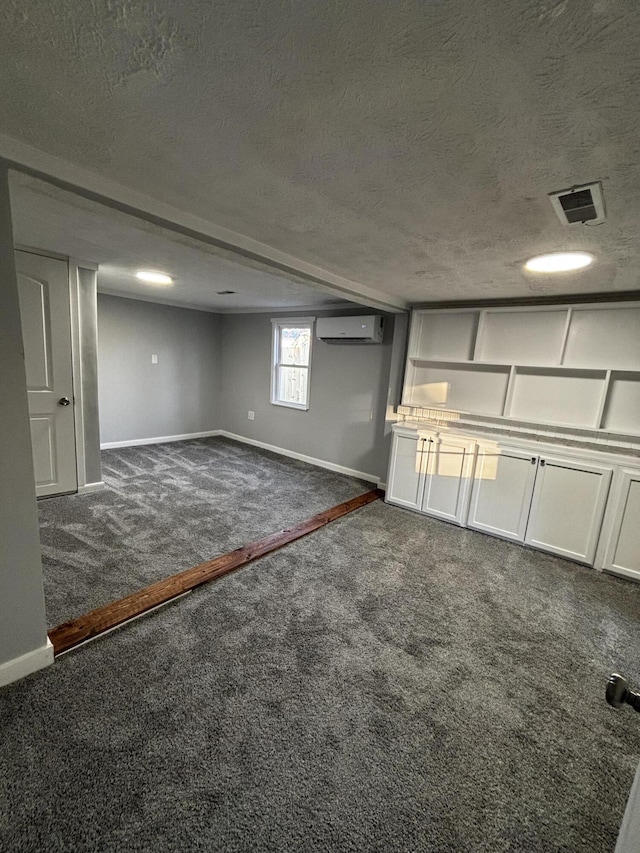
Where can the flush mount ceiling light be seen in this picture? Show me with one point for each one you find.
(559, 262)
(153, 277)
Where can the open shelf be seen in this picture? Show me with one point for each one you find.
(569, 365)
(566, 396)
(432, 361)
(460, 387)
(528, 337)
(449, 336)
(622, 406)
(604, 336)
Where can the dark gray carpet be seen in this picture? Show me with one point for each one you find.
(390, 683)
(168, 507)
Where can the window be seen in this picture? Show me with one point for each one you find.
(291, 362)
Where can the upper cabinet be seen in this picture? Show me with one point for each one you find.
(573, 366)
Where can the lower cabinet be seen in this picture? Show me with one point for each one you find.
(552, 503)
(567, 508)
(431, 474)
(622, 554)
(405, 471)
(501, 493)
(447, 474)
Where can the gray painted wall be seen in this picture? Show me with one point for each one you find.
(22, 615)
(345, 423)
(88, 373)
(178, 395)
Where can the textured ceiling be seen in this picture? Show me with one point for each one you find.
(406, 145)
(51, 219)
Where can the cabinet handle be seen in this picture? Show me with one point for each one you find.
(542, 462)
(534, 459)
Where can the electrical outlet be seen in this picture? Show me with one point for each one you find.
(251, 416)
(154, 358)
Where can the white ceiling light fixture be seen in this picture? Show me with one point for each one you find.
(559, 262)
(153, 277)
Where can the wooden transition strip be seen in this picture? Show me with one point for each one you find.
(90, 625)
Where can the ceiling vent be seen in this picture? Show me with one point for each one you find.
(579, 204)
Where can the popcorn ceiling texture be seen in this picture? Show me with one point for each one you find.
(52, 219)
(408, 145)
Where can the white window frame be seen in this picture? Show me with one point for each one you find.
(277, 324)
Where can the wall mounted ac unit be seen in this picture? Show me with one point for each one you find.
(353, 330)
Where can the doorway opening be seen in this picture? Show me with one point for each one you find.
(137, 475)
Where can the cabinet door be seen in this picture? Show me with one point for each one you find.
(622, 555)
(501, 493)
(567, 508)
(405, 471)
(448, 472)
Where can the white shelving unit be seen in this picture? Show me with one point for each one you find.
(573, 366)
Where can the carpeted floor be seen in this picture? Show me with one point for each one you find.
(390, 683)
(168, 507)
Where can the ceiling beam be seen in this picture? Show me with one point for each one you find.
(67, 176)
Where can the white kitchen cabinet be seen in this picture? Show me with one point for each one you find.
(568, 506)
(622, 554)
(431, 473)
(447, 476)
(522, 491)
(406, 478)
(501, 492)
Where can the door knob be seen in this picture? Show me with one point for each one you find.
(64, 401)
(619, 692)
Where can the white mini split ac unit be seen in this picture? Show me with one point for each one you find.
(352, 330)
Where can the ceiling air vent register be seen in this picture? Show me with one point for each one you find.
(579, 204)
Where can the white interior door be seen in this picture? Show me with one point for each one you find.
(501, 493)
(567, 508)
(43, 287)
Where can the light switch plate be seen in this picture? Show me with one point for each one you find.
(154, 358)
(251, 416)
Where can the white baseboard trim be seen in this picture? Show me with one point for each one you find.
(161, 439)
(88, 488)
(302, 457)
(320, 463)
(20, 667)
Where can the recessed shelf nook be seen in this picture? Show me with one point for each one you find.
(573, 366)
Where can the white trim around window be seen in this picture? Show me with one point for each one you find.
(290, 365)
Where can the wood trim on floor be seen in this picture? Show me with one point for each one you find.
(90, 625)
